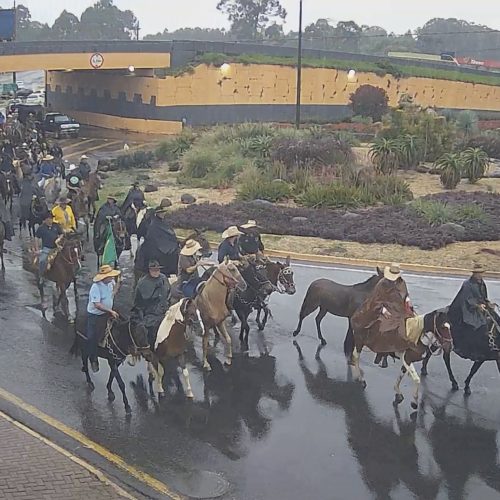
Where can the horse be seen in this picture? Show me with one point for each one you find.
(52, 189)
(477, 346)
(2, 239)
(171, 343)
(281, 277)
(119, 234)
(91, 189)
(211, 302)
(63, 271)
(339, 300)
(431, 330)
(121, 339)
(9, 184)
(38, 208)
(79, 205)
(259, 287)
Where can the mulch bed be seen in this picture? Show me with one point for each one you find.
(385, 225)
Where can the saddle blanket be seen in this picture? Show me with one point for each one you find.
(414, 328)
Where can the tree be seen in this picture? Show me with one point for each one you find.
(28, 30)
(450, 167)
(105, 21)
(475, 162)
(66, 27)
(370, 101)
(250, 18)
(203, 34)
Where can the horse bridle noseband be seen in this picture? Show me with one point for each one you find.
(282, 283)
(137, 349)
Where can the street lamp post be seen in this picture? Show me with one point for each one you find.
(299, 70)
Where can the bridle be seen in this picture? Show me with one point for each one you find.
(283, 282)
(439, 341)
(227, 281)
(137, 349)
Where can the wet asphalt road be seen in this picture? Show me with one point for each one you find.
(275, 426)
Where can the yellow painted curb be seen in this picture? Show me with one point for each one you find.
(92, 445)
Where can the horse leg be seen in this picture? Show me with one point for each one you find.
(398, 398)
(357, 369)
(121, 384)
(111, 394)
(414, 376)
(306, 309)
(473, 371)
(349, 341)
(85, 369)
(1, 257)
(319, 319)
(425, 362)
(185, 374)
(42, 297)
(227, 343)
(206, 364)
(156, 373)
(447, 362)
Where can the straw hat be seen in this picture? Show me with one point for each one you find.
(190, 248)
(106, 271)
(250, 224)
(63, 200)
(392, 272)
(230, 232)
(48, 158)
(111, 197)
(72, 167)
(84, 157)
(478, 269)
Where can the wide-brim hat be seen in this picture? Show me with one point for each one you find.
(190, 248)
(250, 224)
(154, 264)
(161, 210)
(111, 197)
(72, 167)
(478, 268)
(62, 200)
(231, 232)
(392, 272)
(106, 271)
(84, 157)
(48, 158)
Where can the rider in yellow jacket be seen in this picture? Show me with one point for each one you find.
(63, 215)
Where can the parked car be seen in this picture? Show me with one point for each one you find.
(36, 98)
(60, 125)
(23, 93)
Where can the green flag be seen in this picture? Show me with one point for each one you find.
(109, 255)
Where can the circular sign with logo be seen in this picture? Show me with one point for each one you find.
(96, 60)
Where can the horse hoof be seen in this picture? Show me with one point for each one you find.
(398, 399)
(467, 391)
(363, 384)
(190, 395)
(207, 367)
(414, 405)
(295, 333)
(128, 410)
(323, 342)
(228, 364)
(111, 396)
(454, 386)
(91, 386)
(423, 373)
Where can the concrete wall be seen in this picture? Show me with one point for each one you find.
(248, 93)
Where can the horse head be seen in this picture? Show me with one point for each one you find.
(285, 281)
(255, 275)
(72, 248)
(191, 315)
(231, 275)
(119, 227)
(437, 328)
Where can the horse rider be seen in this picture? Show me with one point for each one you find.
(134, 202)
(47, 235)
(100, 310)
(229, 247)
(47, 170)
(6, 220)
(63, 215)
(250, 242)
(73, 181)
(189, 262)
(151, 300)
(84, 167)
(56, 151)
(108, 210)
(142, 230)
(386, 309)
(471, 305)
(8, 149)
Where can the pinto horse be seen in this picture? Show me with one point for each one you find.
(339, 300)
(171, 343)
(121, 339)
(432, 330)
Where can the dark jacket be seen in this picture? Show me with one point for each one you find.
(151, 300)
(101, 222)
(228, 250)
(250, 242)
(134, 197)
(84, 169)
(465, 307)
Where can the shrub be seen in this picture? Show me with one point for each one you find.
(489, 143)
(199, 161)
(450, 167)
(467, 123)
(409, 150)
(370, 101)
(139, 159)
(264, 188)
(384, 154)
(437, 212)
(172, 149)
(475, 162)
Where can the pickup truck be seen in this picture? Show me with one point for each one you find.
(60, 125)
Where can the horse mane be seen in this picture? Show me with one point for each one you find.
(369, 281)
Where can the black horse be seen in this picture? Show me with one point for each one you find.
(339, 300)
(38, 208)
(259, 287)
(478, 345)
(122, 338)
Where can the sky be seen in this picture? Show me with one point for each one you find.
(394, 15)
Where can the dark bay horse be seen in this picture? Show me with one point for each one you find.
(63, 272)
(339, 300)
(476, 345)
(38, 208)
(122, 339)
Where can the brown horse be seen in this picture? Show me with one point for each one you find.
(339, 300)
(171, 343)
(91, 189)
(212, 304)
(63, 272)
(79, 204)
(431, 330)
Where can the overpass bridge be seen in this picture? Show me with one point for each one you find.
(92, 81)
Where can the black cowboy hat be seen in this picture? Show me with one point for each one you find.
(154, 264)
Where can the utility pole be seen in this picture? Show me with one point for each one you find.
(14, 75)
(299, 71)
(137, 30)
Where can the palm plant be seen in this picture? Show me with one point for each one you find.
(467, 123)
(384, 154)
(475, 162)
(450, 166)
(410, 150)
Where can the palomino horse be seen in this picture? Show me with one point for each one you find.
(211, 302)
(79, 204)
(334, 298)
(121, 340)
(119, 233)
(171, 343)
(91, 189)
(431, 330)
(281, 277)
(63, 272)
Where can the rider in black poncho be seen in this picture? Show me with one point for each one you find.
(133, 203)
(109, 209)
